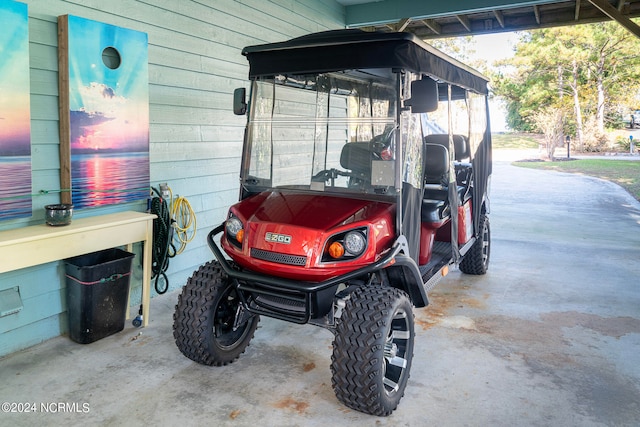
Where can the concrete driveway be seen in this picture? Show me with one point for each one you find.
(550, 336)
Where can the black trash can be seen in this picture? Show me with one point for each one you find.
(97, 293)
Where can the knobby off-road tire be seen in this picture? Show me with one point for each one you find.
(373, 349)
(204, 318)
(476, 261)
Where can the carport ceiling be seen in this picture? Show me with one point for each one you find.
(435, 19)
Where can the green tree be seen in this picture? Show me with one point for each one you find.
(531, 84)
(461, 48)
(591, 70)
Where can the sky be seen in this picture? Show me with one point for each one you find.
(109, 107)
(14, 80)
(492, 47)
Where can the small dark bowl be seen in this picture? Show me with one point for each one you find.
(58, 214)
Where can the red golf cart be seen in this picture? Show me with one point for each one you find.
(364, 178)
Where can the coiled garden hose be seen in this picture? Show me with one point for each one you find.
(163, 249)
(184, 222)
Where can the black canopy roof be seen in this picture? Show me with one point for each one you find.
(356, 49)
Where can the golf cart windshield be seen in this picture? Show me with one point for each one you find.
(331, 132)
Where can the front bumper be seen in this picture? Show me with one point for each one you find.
(291, 300)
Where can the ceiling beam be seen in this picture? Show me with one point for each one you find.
(432, 25)
(613, 13)
(538, 14)
(464, 21)
(400, 26)
(392, 11)
(499, 17)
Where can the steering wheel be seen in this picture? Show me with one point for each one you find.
(331, 175)
(324, 175)
(380, 142)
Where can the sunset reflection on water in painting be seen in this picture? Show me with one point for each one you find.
(109, 178)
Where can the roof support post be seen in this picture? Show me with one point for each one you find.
(613, 13)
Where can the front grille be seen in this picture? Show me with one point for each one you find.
(277, 303)
(278, 257)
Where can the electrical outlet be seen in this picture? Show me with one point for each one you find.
(164, 189)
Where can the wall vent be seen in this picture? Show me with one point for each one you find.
(10, 301)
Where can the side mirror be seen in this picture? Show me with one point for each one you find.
(424, 96)
(239, 101)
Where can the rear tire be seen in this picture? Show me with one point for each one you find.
(203, 321)
(373, 350)
(476, 261)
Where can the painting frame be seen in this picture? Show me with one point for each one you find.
(15, 113)
(104, 113)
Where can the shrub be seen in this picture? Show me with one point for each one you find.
(624, 143)
(594, 140)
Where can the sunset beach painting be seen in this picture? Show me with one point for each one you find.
(15, 129)
(108, 104)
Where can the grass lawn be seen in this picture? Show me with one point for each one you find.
(625, 173)
(515, 141)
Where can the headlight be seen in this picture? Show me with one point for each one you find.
(355, 242)
(346, 245)
(235, 230)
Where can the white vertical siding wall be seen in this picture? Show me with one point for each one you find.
(194, 65)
